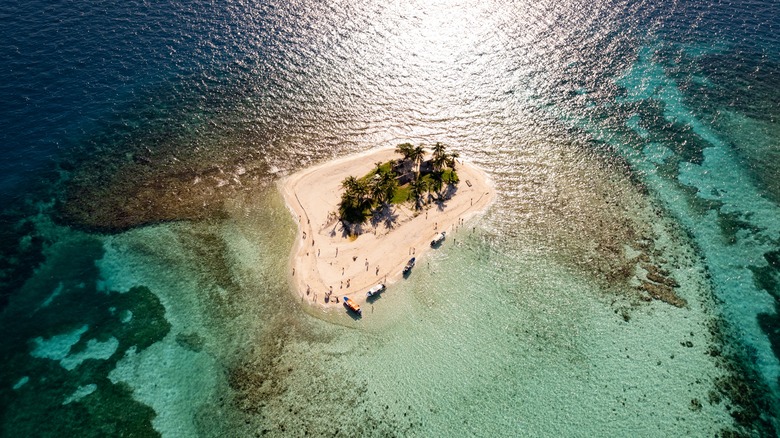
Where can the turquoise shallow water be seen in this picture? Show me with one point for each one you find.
(479, 341)
(622, 139)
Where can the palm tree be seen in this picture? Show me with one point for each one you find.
(451, 159)
(436, 183)
(417, 154)
(439, 157)
(405, 149)
(389, 185)
(349, 209)
(377, 190)
(350, 184)
(362, 191)
(418, 188)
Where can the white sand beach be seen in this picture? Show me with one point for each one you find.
(326, 258)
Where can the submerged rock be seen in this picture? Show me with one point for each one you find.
(191, 341)
(664, 293)
(130, 197)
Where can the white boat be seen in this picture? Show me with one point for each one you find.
(376, 290)
(439, 239)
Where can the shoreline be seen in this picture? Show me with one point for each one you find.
(325, 258)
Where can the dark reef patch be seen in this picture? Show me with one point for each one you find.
(594, 214)
(112, 193)
(60, 298)
(22, 252)
(749, 400)
(191, 341)
(177, 152)
(679, 137)
(768, 279)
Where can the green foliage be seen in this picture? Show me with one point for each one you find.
(361, 196)
(417, 189)
(439, 157)
(435, 183)
(417, 155)
(354, 204)
(402, 195)
(405, 149)
(449, 176)
(380, 186)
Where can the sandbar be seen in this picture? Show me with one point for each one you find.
(326, 258)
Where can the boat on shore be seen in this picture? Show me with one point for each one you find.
(352, 305)
(376, 290)
(439, 239)
(409, 266)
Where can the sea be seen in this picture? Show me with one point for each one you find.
(625, 282)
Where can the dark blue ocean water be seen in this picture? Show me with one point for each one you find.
(201, 84)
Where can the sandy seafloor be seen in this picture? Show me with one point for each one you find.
(489, 336)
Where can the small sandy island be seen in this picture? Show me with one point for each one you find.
(325, 257)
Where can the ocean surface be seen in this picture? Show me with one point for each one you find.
(625, 283)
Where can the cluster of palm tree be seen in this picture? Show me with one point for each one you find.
(413, 154)
(377, 189)
(440, 161)
(363, 195)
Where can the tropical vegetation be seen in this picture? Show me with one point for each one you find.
(370, 194)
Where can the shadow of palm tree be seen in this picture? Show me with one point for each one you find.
(450, 191)
(444, 196)
(385, 214)
(441, 203)
(349, 229)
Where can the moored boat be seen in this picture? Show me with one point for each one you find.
(409, 266)
(376, 290)
(352, 305)
(439, 239)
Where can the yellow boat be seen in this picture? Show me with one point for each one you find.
(352, 305)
